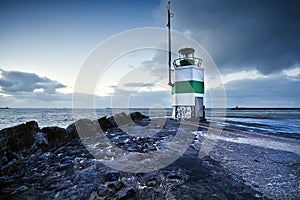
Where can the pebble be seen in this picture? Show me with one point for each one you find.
(20, 189)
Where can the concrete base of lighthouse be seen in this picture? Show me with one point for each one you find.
(195, 111)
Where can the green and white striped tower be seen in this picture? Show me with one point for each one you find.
(188, 86)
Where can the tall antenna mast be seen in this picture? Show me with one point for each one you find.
(169, 37)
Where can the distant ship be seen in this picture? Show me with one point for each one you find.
(4, 108)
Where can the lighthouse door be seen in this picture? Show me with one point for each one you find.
(199, 107)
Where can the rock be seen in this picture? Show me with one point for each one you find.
(112, 176)
(41, 140)
(3, 158)
(20, 189)
(55, 135)
(127, 193)
(117, 190)
(122, 119)
(72, 132)
(136, 116)
(18, 137)
(89, 176)
(105, 124)
(112, 121)
(86, 127)
(15, 167)
(151, 179)
(63, 167)
(152, 182)
(45, 155)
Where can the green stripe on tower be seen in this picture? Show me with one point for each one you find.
(188, 87)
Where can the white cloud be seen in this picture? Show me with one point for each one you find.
(187, 32)
(293, 73)
(242, 75)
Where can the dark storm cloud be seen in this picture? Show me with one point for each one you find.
(243, 33)
(157, 64)
(16, 82)
(275, 90)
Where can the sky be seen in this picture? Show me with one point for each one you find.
(44, 44)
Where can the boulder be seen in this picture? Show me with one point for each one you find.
(87, 127)
(55, 135)
(105, 124)
(41, 140)
(72, 131)
(112, 121)
(112, 176)
(18, 137)
(122, 118)
(137, 116)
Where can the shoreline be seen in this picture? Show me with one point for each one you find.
(269, 164)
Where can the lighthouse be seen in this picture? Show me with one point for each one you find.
(188, 81)
(188, 86)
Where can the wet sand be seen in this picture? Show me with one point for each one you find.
(267, 163)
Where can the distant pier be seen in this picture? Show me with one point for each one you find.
(245, 108)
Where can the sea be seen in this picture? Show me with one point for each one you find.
(281, 122)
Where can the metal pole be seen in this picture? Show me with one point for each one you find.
(169, 37)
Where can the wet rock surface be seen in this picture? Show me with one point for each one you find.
(54, 164)
(18, 137)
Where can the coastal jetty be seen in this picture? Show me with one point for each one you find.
(252, 108)
(53, 163)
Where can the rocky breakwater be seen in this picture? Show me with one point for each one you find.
(52, 163)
